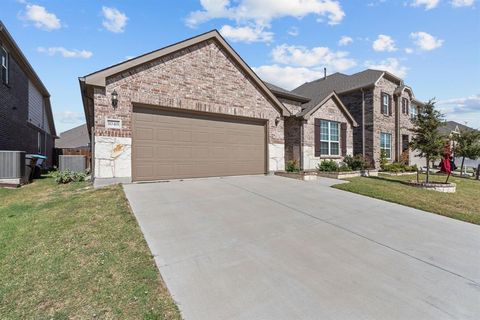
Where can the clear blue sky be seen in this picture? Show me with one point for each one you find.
(433, 44)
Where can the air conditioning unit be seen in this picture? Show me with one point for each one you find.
(72, 163)
(12, 167)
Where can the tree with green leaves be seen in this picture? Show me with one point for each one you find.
(468, 146)
(427, 139)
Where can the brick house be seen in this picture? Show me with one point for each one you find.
(196, 109)
(317, 130)
(380, 103)
(26, 120)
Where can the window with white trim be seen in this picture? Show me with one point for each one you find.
(4, 65)
(405, 106)
(386, 144)
(413, 111)
(385, 103)
(329, 138)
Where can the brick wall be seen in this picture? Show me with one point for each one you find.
(353, 102)
(292, 139)
(329, 111)
(201, 78)
(15, 132)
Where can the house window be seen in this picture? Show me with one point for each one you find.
(386, 144)
(329, 138)
(385, 103)
(4, 65)
(413, 112)
(405, 106)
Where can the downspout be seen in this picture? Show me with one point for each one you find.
(301, 145)
(399, 136)
(363, 122)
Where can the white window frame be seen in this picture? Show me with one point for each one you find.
(4, 64)
(413, 111)
(405, 106)
(386, 108)
(330, 141)
(382, 147)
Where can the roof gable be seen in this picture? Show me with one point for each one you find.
(99, 78)
(306, 113)
(74, 138)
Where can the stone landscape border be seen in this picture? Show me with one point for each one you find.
(434, 186)
(314, 175)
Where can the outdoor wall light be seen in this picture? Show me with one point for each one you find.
(114, 98)
(277, 121)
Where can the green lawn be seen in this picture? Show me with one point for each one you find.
(71, 252)
(462, 205)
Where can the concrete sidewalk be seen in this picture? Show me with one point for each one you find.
(267, 247)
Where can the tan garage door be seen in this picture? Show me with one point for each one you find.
(175, 145)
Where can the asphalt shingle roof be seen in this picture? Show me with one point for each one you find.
(319, 89)
(74, 138)
(450, 126)
(277, 89)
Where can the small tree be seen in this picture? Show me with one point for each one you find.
(468, 146)
(427, 140)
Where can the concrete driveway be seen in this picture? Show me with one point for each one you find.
(267, 247)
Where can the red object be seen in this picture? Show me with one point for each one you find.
(445, 164)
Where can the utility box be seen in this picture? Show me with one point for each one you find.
(12, 167)
(72, 163)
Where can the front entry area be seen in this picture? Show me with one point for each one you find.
(170, 144)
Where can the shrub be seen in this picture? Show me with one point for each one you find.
(328, 166)
(397, 167)
(68, 176)
(292, 166)
(412, 168)
(383, 160)
(356, 163)
(344, 168)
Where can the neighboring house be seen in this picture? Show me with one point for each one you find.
(26, 120)
(75, 141)
(452, 128)
(75, 138)
(380, 103)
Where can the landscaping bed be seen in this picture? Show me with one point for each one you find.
(71, 252)
(434, 186)
(461, 205)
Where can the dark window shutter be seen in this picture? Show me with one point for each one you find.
(407, 104)
(317, 137)
(389, 105)
(381, 102)
(343, 138)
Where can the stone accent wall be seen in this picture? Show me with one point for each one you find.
(113, 157)
(200, 78)
(329, 111)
